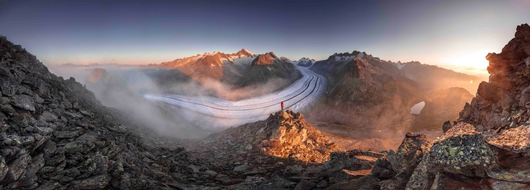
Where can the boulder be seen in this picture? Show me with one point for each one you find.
(24, 102)
(19, 165)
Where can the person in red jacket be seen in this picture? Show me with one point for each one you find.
(282, 105)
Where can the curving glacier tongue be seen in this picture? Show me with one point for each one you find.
(295, 97)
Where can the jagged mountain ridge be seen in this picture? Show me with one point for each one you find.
(305, 62)
(211, 59)
(365, 86)
(362, 73)
(266, 67)
(213, 65)
(360, 86)
(237, 69)
(432, 78)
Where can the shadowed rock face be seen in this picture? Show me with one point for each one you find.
(54, 134)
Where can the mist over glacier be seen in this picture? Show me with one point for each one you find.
(196, 111)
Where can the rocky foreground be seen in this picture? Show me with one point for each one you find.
(55, 135)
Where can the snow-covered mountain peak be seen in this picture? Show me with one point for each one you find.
(265, 59)
(244, 52)
(305, 61)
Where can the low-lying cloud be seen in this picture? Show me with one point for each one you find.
(124, 88)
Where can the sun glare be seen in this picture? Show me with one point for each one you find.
(471, 62)
(476, 59)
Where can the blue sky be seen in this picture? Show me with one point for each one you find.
(453, 33)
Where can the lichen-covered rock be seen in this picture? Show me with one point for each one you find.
(383, 169)
(3, 168)
(407, 157)
(513, 175)
(503, 185)
(462, 150)
(409, 153)
(515, 140)
(422, 177)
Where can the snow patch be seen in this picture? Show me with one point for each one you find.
(416, 109)
(344, 58)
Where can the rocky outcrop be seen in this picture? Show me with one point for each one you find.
(283, 151)
(294, 138)
(392, 170)
(284, 134)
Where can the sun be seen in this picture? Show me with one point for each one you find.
(474, 59)
(471, 62)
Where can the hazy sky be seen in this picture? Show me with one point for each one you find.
(140, 32)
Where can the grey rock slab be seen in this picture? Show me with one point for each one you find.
(24, 102)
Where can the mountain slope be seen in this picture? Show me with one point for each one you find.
(210, 65)
(430, 77)
(360, 86)
(54, 134)
(266, 67)
(441, 106)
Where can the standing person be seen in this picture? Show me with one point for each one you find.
(282, 105)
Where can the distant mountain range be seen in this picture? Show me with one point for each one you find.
(304, 61)
(366, 92)
(240, 69)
